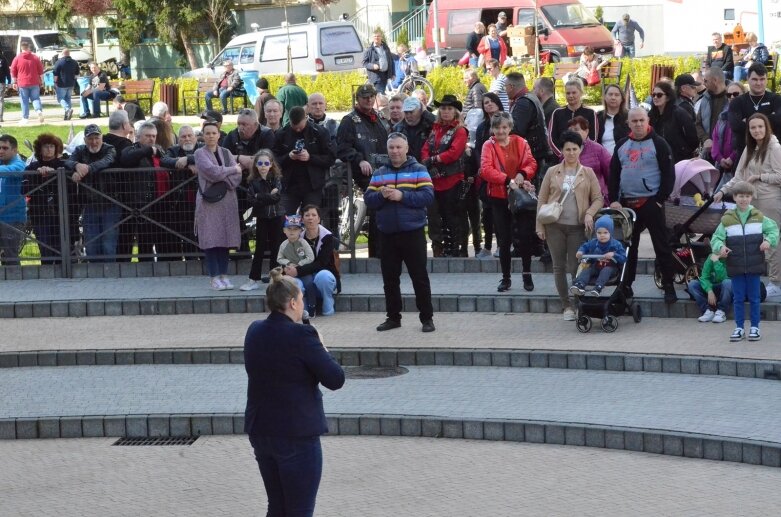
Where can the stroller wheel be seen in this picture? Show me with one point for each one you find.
(609, 323)
(658, 277)
(692, 273)
(584, 324)
(637, 313)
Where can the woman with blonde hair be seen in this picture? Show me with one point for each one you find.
(755, 53)
(264, 193)
(760, 165)
(559, 121)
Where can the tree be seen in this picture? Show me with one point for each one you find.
(132, 18)
(91, 9)
(324, 6)
(218, 13)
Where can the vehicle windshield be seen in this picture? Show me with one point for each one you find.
(56, 40)
(569, 15)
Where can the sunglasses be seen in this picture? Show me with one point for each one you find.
(658, 95)
(263, 164)
(733, 94)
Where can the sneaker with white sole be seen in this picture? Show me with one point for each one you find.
(41, 119)
(484, 254)
(496, 253)
(753, 334)
(226, 282)
(772, 290)
(707, 316)
(217, 284)
(577, 289)
(719, 317)
(24, 121)
(250, 286)
(737, 335)
(568, 315)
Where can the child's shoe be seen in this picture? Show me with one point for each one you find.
(596, 291)
(737, 335)
(577, 289)
(719, 317)
(753, 334)
(707, 316)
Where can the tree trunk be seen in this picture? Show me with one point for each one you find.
(188, 50)
(93, 37)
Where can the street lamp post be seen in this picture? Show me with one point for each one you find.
(289, 50)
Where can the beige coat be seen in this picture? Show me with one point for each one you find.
(588, 195)
(769, 171)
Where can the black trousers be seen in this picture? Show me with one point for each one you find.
(504, 222)
(651, 216)
(452, 213)
(408, 248)
(268, 237)
(295, 198)
(472, 205)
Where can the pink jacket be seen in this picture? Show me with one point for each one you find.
(26, 70)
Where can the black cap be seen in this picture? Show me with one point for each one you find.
(365, 90)
(213, 115)
(92, 129)
(685, 79)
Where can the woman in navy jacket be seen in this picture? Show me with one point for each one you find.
(285, 361)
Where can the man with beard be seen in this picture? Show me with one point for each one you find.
(243, 142)
(180, 159)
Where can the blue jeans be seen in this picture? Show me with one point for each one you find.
(629, 51)
(291, 469)
(320, 285)
(216, 261)
(745, 288)
(27, 94)
(97, 97)
(592, 274)
(473, 62)
(101, 231)
(723, 292)
(223, 94)
(740, 72)
(64, 97)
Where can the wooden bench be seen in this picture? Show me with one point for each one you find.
(205, 86)
(140, 90)
(562, 69)
(611, 74)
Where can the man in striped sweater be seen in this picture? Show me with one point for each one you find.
(400, 192)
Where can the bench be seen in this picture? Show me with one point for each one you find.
(140, 90)
(562, 69)
(611, 73)
(205, 86)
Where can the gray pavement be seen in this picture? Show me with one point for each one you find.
(378, 477)
(709, 405)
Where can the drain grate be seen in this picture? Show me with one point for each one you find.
(161, 440)
(373, 372)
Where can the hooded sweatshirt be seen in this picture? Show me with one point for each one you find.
(26, 70)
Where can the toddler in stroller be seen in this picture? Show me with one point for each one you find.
(602, 255)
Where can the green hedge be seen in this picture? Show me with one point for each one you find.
(338, 87)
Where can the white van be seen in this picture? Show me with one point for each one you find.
(315, 47)
(47, 45)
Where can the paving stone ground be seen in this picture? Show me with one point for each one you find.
(728, 407)
(356, 330)
(378, 477)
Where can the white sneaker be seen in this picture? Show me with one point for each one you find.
(484, 254)
(707, 316)
(719, 317)
(217, 284)
(772, 290)
(250, 286)
(753, 334)
(226, 282)
(24, 121)
(40, 117)
(568, 315)
(737, 335)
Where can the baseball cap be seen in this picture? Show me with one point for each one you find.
(92, 129)
(365, 90)
(411, 104)
(212, 114)
(293, 221)
(685, 79)
(502, 14)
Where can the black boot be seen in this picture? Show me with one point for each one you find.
(504, 285)
(528, 284)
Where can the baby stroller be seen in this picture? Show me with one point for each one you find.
(688, 211)
(609, 307)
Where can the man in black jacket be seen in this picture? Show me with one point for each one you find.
(180, 159)
(757, 100)
(304, 153)
(100, 217)
(720, 54)
(66, 69)
(378, 61)
(686, 90)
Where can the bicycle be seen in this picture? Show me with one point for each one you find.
(414, 80)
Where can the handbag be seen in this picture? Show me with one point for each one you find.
(216, 192)
(593, 78)
(518, 200)
(550, 212)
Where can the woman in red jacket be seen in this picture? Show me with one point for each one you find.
(507, 162)
(443, 155)
(492, 46)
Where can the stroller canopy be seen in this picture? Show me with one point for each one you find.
(693, 177)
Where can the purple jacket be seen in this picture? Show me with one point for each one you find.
(722, 141)
(598, 158)
(217, 224)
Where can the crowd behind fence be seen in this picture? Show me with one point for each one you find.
(139, 214)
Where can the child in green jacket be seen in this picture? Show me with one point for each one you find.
(712, 291)
(743, 236)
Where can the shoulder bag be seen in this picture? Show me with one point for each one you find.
(518, 200)
(550, 212)
(215, 192)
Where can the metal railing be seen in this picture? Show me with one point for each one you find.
(368, 18)
(415, 22)
(124, 215)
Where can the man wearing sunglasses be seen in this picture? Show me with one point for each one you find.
(712, 104)
(303, 150)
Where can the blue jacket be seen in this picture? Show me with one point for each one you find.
(285, 362)
(406, 215)
(11, 175)
(594, 247)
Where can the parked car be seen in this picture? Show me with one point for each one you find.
(570, 26)
(47, 45)
(314, 47)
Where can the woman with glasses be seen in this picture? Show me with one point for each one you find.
(559, 121)
(723, 154)
(672, 122)
(264, 193)
(216, 220)
(507, 163)
(612, 119)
